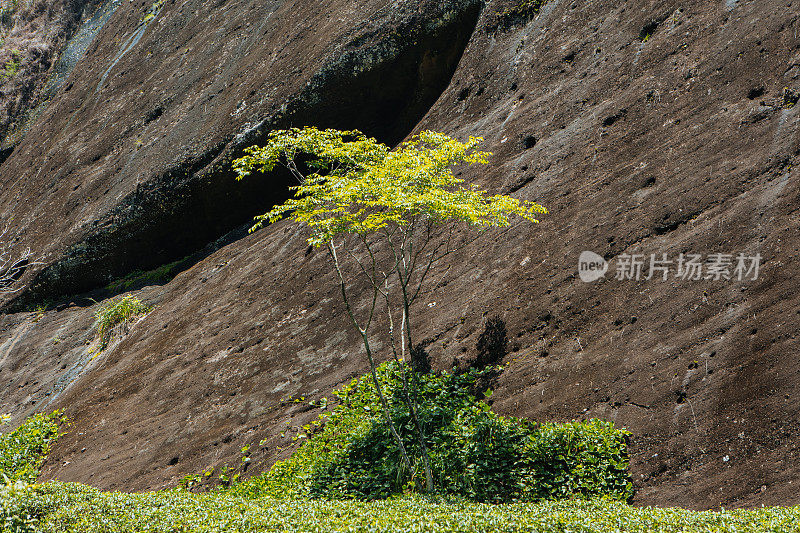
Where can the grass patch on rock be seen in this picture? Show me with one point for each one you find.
(139, 278)
(117, 313)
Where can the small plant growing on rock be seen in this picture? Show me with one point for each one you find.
(39, 311)
(12, 66)
(515, 13)
(387, 218)
(117, 313)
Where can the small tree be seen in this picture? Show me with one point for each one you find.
(393, 214)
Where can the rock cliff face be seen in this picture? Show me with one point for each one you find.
(645, 127)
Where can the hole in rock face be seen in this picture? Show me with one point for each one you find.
(609, 121)
(529, 142)
(648, 30)
(154, 115)
(756, 92)
(4, 154)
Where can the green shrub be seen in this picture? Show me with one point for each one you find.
(475, 453)
(115, 313)
(12, 66)
(75, 508)
(17, 512)
(67, 507)
(57, 507)
(23, 450)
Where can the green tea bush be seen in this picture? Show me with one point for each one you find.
(116, 313)
(57, 507)
(17, 512)
(23, 450)
(474, 452)
(72, 508)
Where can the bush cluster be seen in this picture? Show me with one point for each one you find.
(570, 451)
(72, 508)
(474, 452)
(23, 450)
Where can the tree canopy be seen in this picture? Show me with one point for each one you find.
(357, 185)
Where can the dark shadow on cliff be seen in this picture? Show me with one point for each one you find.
(383, 83)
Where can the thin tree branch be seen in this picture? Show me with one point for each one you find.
(367, 347)
(13, 266)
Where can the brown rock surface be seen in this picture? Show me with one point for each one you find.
(31, 36)
(645, 127)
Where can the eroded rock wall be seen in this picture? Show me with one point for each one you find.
(645, 127)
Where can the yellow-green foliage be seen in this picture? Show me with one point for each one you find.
(73, 508)
(359, 186)
(116, 312)
(155, 8)
(23, 450)
(12, 66)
